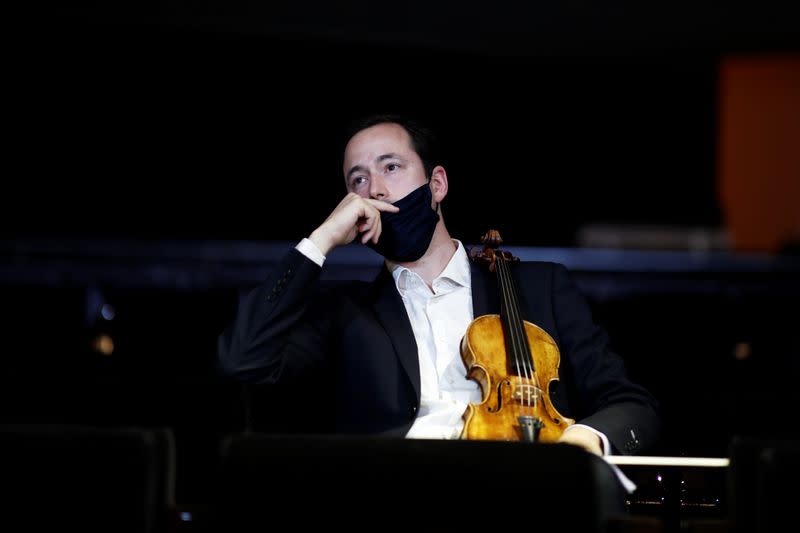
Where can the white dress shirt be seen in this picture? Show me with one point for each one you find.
(439, 317)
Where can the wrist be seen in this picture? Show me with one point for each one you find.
(579, 435)
(321, 241)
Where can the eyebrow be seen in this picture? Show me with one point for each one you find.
(359, 168)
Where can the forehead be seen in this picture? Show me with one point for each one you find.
(370, 143)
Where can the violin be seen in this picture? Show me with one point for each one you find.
(515, 363)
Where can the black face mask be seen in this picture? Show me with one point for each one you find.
(406, 235)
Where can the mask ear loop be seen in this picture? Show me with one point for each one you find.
(437, 203)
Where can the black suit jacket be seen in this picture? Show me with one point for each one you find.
(292, 328)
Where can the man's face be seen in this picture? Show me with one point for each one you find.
(379, 163)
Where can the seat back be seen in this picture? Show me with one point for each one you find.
(375, 483)
(86, 478)
(762, 482)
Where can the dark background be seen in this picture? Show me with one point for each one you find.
(193, 124)
(161, 156)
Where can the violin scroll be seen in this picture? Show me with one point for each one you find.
(491, 240)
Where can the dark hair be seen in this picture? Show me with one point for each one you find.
(423, 140)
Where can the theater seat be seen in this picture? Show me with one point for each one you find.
(376, 484)
(762, 483)
(77, 478)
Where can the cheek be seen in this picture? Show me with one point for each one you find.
(361, 190)
(404, 188)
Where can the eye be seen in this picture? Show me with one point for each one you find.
(358, 181)
(391, 167)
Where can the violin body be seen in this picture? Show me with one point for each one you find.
(509, 396)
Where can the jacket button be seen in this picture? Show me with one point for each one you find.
(412, 411)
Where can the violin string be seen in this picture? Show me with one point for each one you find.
(512, 323)
(522, 341)
(525, 354)
(507, 310)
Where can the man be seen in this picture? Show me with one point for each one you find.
(390, 348)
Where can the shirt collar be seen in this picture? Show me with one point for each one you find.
(456, 271)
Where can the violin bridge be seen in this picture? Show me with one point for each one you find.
(527, 395)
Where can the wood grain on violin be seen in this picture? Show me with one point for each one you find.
(514, 362)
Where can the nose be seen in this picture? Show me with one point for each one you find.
(377, 188)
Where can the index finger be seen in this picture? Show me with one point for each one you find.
(382, 205)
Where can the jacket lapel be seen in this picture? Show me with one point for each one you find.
(392, 315)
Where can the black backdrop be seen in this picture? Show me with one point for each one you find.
(160, 131)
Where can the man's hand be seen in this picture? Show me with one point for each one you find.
(579, 436)
(354, 214)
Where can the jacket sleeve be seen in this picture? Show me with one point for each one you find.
(606, 399)
(279, 331)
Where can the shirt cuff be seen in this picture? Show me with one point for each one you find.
(626, 482)
(310, 250)
(603, 438)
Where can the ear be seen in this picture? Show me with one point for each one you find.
(439, 183)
